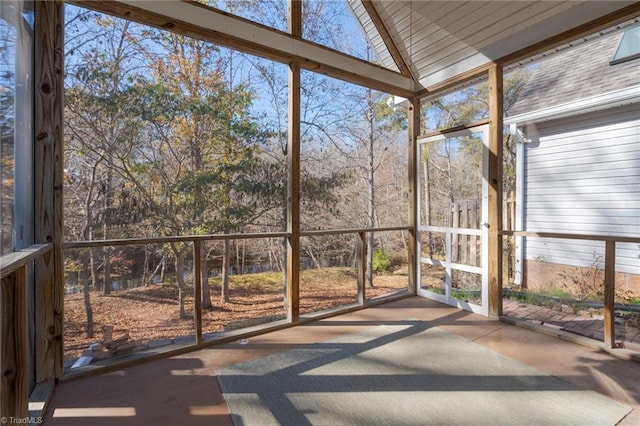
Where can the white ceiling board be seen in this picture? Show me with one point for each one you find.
(441, 39)
(438, 40)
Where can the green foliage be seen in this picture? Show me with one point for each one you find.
(381, 260)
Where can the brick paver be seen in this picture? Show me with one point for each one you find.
(592, 327)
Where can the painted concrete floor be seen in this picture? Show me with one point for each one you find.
(183, 390)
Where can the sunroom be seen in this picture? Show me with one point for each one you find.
(216, 184)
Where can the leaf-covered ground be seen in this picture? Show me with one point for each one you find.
(151, 314)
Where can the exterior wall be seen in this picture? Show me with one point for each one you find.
(582, 175)
(582, 282)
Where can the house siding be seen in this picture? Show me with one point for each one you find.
(582, 175)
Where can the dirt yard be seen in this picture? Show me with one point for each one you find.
(150, 315)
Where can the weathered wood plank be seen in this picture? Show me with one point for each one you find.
(14, 334)
(293, 181)
(49, 272)
(16, 260)
(495, 190)
(414, 117)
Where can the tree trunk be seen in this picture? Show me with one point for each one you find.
(179, 264)
(427, 200)
(369, 254)
(145, 266)
(226, 257)
(107, 272)
(87, 303)
(372, 193)
(92, 269)
(163, 267)
(204, 276)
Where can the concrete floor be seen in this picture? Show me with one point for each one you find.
(183, 390)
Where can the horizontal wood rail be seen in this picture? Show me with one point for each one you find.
(171, 239)
(572, 236)
(218, 237)
(453, 129)
(18, 259)
(14, 330)
(361, 248)
(198, 264)
(321, 233)
(609, 271)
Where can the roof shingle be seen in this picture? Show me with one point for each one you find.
(576, 74)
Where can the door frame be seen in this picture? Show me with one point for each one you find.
(483, 232)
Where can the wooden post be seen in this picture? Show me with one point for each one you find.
(14, 334)
(455, 238)
(48, 177)
(293, 178)
(495, 190)
(414, 233)
(609, 294)
(197, 289)
(362, 267)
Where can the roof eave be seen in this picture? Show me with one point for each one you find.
(613, 99)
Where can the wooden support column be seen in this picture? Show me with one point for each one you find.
(293, 177)
(48, 177)
(197, 289)
(609, 294)
(362, 267)
(495, 190)
(414, 187)
(14, 335)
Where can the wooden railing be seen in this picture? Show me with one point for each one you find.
(198, 240)
(14, 330)
(362, 250)
(609, 271)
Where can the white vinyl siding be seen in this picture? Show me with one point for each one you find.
(582, 176)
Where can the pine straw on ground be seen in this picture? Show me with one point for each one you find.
(151, 313)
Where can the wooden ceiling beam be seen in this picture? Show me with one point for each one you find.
(386, 38)
(464, 77)
(201, 22)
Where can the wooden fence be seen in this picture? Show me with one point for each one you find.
(466, 249)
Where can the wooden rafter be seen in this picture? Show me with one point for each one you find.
(204, 23)
(386, 38)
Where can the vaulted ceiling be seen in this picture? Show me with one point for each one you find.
(437, 40)
(431, 43)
